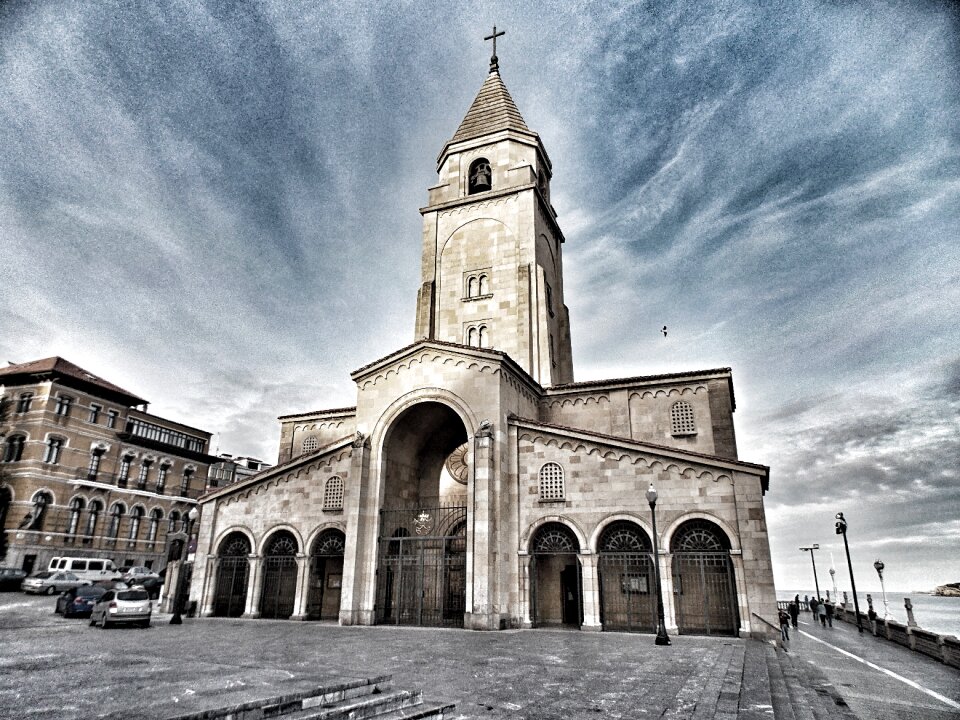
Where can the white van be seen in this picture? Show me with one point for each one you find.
(85, 568)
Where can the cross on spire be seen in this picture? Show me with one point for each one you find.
(494, 64)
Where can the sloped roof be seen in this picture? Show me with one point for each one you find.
(64, 369)
(492, 110)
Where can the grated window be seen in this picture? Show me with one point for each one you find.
(551, 482)
(333, 494)
(310, 444)
(681, 418)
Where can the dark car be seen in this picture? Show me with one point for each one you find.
(79, 602)
(10, 578)
(153, 586)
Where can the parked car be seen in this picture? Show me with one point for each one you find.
(79, 602)
(122, 606)
(51, 583)
(153, 586)
(134, 575)
(10, 578)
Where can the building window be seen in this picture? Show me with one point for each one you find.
(551, 482)
(476, 285)
(484, 284)
(136, 515)
(13, 448)
(480, 178)
(162, 478)
(549, 298)
(94, 413)
(124, 473)
(117, 511)
(472, 336)
(52, 454)
(93, 514)
(149, 431)
(310, 444)
(553, 352)
(333, 494)
(33, 520)
(472, 286)
(681, 419)
(144, 473)
(76, 507)
(185, 482)
(156, 515)
(172, 522)
(23, 402)
(112, 418)
(483, 339)
(94, 467)
(64, 403)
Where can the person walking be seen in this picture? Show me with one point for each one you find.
(794, 610)
(813, 608)
(784, 625)
(829, 613)
(822, 612)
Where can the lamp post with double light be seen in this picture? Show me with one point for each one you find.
(841, 526)
(662, 637)
(182, 569)
(878, 566)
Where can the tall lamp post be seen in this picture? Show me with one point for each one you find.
(816, 583)
(662, 637)
(841, 526)
(181, 568)
(833, 580)
(878, 566)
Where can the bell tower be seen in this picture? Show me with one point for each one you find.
(492, 264)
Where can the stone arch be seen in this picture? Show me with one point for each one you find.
(279, 551)
(704, 581)
(556, 576)
(668, 533)
(273, 530)
(594, 539)
(479, 176)
(227, 532)
(325, 578)
(233, 572)
(570, 523)
(626, 576)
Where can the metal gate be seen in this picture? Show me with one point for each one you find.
(705, 594)
(421, 576)
(233, 575)
(279, 577)
(628, 592)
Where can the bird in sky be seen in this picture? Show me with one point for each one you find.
(664, 331)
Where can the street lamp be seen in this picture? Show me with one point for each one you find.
(878, 566)
(833, 579)
(181, 569)
(816, 583)
(841, 526)
(662, 637)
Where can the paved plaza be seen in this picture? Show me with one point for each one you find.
(58, 668)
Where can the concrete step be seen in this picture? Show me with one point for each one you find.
(278, 706)
(423, 710)
(756, 702)
(779, 694)
(812, 696)
(369, 706)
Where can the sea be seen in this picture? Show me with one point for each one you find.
(936, 614)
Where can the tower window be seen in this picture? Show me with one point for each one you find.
(23, 402)
(480, 178)
(63, 405)
(310, 444)
(477, 336)
(112, 418)
(681, 419)
(52, 453)
(333, 494)
(13, 448)
(551, 482)
(94, 413)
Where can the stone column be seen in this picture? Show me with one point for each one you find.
(210, 589)
(739, 587)
(303, 590)
(525, 585)
(482, 583)
(590, 592)
(359, 586)
(252, 609)
(669, 599)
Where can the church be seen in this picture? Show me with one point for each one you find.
(475, 484)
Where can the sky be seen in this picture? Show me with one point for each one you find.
(215, 206)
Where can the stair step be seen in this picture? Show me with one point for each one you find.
(417, 712)
(756, 702)
(369, 706)
(779, 694)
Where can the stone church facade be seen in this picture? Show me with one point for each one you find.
(475, 484)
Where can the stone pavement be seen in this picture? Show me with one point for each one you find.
(57, 668)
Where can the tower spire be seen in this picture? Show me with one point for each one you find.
(494, 63)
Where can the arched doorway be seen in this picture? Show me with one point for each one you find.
(279, 576)
(628, 591)
(233, 574)
(703, 581)
(326, 573)
(556, 589)
(421, 578)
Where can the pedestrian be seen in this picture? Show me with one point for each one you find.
(794, 610)
(872, 617)
(829, 613)
(822, 612)
(784, 625)
(813, 608)
(806, 602)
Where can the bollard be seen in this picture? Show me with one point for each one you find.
(911, 621)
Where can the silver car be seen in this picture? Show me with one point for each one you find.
(51, 583)
(122, 607)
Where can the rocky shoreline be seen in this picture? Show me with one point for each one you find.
(948, 590)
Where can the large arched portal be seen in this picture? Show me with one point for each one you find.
(233, 572)
(628, 592)
(279, 576)
(556, 590)
(326, 571)
(703, 581)
(421, 578)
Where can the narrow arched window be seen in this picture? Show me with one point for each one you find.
(551, 482)
(162, 477)
(156, 515)
(94, 467)
(472, 286)
(484, 285)
(117, 511)
(23, 402)
(482, 339)
(73, 521)
(185, 481)
(33, 520)
(136, 515)
(124, 475)
(472, 337)
(144, 473)
(480, 178)
(681, 419)
(52, 454)
(93, 515)
(13, 448)
(333, 494)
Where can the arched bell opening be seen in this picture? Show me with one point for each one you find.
(233, 574)
(704, 586)
(326, 574)
(421, 577)
(628, 591)
(556, 589)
